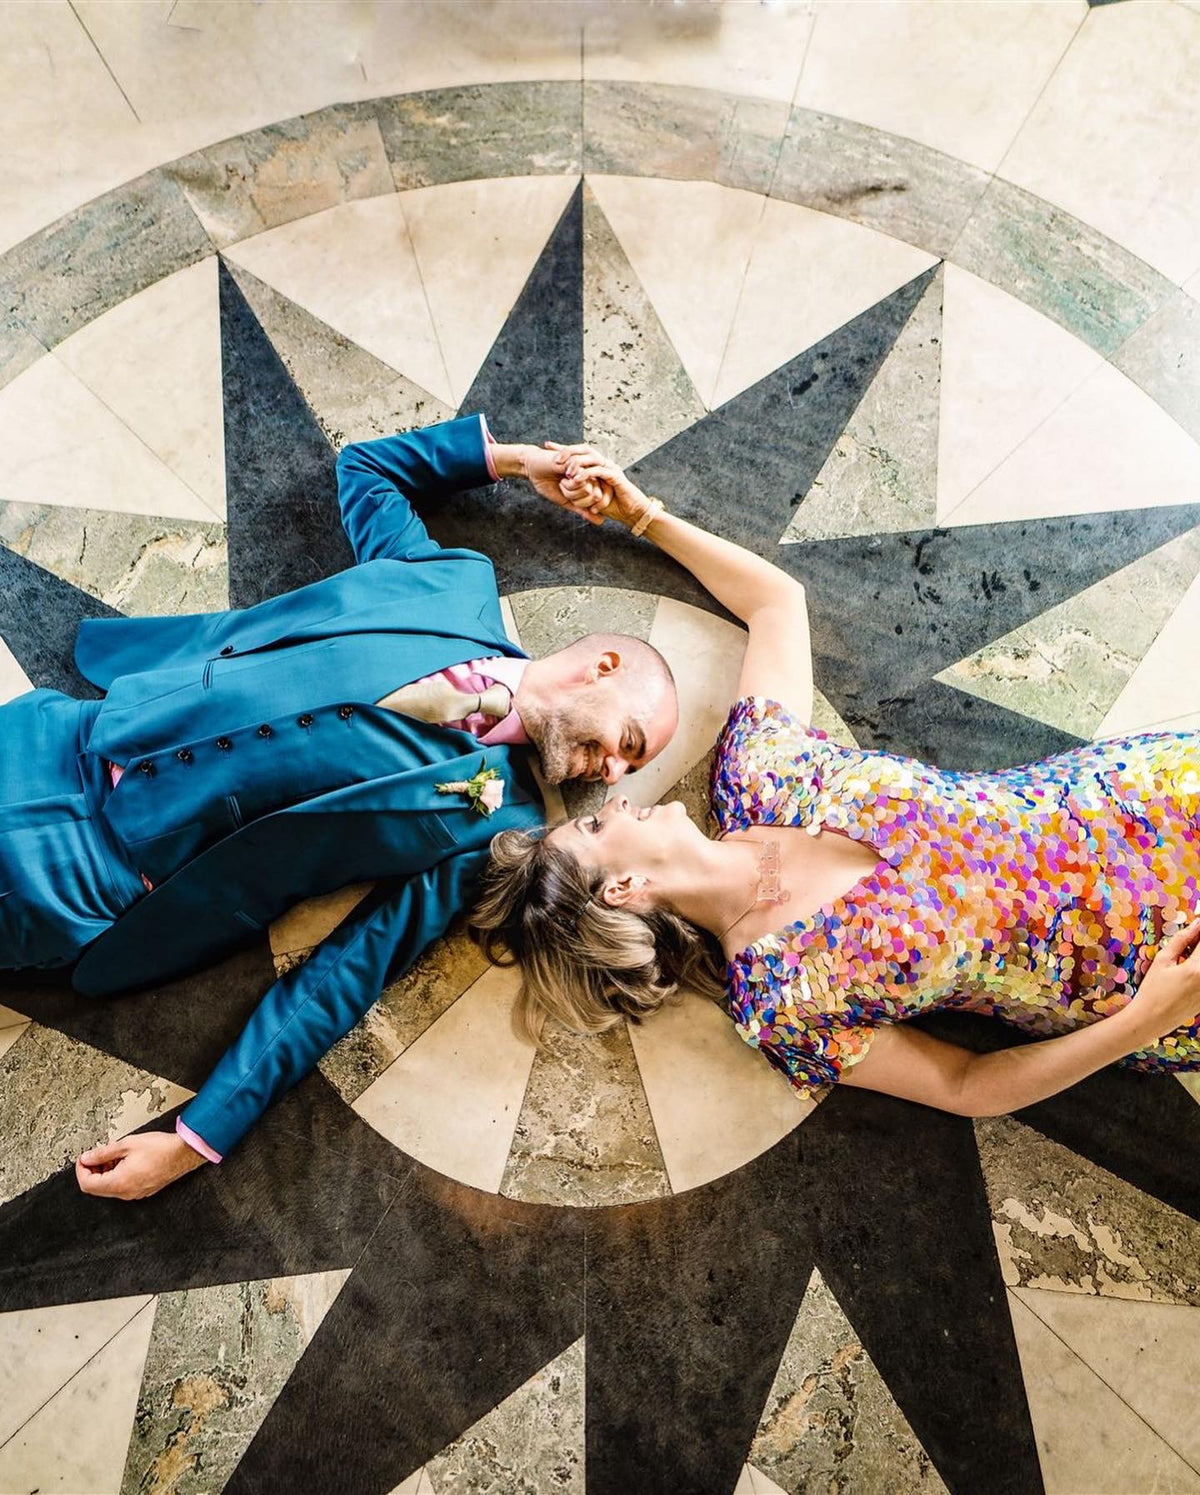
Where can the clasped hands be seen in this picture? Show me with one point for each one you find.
(582, 479)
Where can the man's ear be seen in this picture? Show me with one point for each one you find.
(607, 664)
(619, 892)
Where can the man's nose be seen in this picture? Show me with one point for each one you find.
(613, 767)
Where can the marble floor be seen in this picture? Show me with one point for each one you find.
(906, 297)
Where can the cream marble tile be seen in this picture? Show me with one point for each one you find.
(475, 244)
(309, 922)
(452, 1099)
(155, 362)
(1113, 137)
(42, 1348)
(961, 78)
(353, 267)
(416, 1484)
(759, 1484)
(1107, 446)
(9, 1033)
(9, 1016)
(13, 679)
(689, 244)
(1089, 1441)
(809, 273)
(744, 49)
(1005, 369)
(745, 1484)
(64, 446)
(1191, 1083)
(1148, 1353)
(1165, 687)
(76, 1442)
(705, 655)
(715, 1102)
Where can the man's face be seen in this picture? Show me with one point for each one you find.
(599, 730)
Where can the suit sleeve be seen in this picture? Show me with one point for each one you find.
(310, 1008)
(377, 479)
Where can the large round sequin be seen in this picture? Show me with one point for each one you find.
(1038, 895)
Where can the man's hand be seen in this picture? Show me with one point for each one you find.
(598, 488)
(135, 1167)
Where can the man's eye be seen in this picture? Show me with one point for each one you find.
(594, 822)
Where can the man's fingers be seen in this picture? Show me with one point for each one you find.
(107, 1184)
(104, 1152)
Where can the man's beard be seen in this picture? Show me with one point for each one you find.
(555, 743)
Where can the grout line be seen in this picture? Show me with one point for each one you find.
(104, 60)
(454, 401)
(151, 1299)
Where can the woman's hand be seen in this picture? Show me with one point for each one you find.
(135, 1167)
(1169, 996)
(598, 488)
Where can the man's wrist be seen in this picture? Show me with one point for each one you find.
(509, 460)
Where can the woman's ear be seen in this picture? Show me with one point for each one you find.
(619, 892)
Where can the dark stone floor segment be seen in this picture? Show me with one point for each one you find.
(40, 615)
(280, 478)
(458, 1300)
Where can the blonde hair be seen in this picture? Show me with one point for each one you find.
(582, 963)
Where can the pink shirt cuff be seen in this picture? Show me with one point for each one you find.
(196, 1142)
(489, 441)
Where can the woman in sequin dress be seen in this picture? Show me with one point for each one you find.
(851, 890)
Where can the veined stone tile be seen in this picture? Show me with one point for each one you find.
(881, 476)
(18, 349)
(1148, 1353)
(77, 1440)
(405, 1010)
(550, 617)
(534, 1439)
(139, 566)
(489, 130)
(59, 1097)
(452, 1098)
(266, 177)
(882, 181)
(636, 393)
(716, 1103)
(1053, 262)
(1065, 1225)
(1163, 358)
(155, 362)
(354, 396)
(830, 1421)
(1163, 693)
(1108, 1451)
(217, 1359)
(691, 134)
(94, 258)
(1070, 665)
(584, 1135)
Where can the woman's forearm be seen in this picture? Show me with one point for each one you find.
(739, 580)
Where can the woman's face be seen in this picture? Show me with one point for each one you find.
(623, 838)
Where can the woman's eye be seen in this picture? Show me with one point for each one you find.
(595, 824)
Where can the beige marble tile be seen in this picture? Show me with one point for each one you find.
(76, 1442)
(9, 1016)
(1005, 369)
(1070, 665)
(881, 476)
(452, 1099)
(1191, 1083)
(636, 393)
(1093, 144)
(961, 78)
(533, 1440)
(1165, 687)
(758, 1483)
(826, 718)
(42, 1348)
(715, 1102)
(353, 267)
(155, 362)
(217, 1359)
(59, 1097)
(1089, 1441)
(1148, 1353)
(415, 1484)
(10, 1033)
(809, 273)
(689, 244)
(549, 617)
(585, 1135)
(309, 922)
(1107, 446)
(475, 245)
(64, 446)
(13, 679)
(746, 49)
(830, 1421)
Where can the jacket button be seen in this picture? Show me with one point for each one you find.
(184, 755)
(306, 720)
(345, 712)
(228, 649)
(146, 767)
(224, 744)
(266, 730)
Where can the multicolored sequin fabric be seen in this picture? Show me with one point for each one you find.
(1037, 894)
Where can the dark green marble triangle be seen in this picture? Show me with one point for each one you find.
(281, 484)
(39, 617)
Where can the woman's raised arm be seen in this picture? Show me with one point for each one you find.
(778, 659)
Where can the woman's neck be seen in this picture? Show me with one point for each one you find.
(719, 886)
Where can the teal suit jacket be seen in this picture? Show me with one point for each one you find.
(255, 777)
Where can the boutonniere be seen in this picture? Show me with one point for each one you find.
(485, 790)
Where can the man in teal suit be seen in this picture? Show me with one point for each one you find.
(245, 760)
